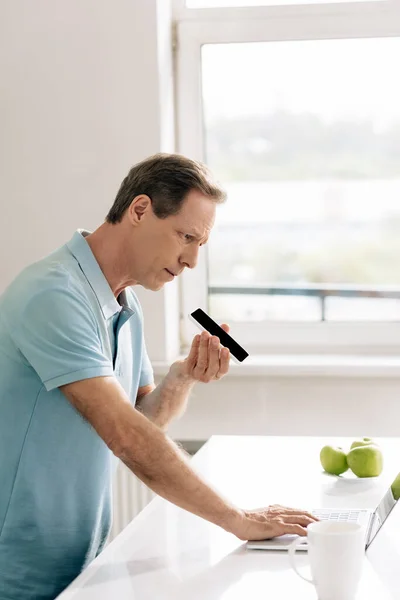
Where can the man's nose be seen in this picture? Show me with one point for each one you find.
(189, 259)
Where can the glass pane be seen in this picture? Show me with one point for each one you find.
(362, 309)
(242, 3)
(305, 137)
(239, 307)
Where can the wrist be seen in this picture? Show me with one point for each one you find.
(179, 375)
(234, 521)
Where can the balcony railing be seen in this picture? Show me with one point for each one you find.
(320, 291)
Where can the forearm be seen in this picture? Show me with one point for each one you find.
(168, 400)
(146, 450)
(159, 463)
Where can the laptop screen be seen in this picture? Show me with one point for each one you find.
(384, 508)
(384, 552)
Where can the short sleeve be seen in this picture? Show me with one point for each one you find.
(58, 335)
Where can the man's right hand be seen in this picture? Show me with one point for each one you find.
(159, 463)
(274, 520)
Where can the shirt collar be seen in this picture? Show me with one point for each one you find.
(81, 250)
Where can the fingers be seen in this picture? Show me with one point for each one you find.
(194, 349)
(293, 524)
(225, 327)
(213, 362)
(202, 356)
(286, 510)
(223, 363)
(208, 359)
(276, 520)
(294, 530)
(301, 513)
(299, 519)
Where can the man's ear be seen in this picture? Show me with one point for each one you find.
(139, 207)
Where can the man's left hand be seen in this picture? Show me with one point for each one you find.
(207, 359)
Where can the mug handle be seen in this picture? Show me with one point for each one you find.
(292, 552)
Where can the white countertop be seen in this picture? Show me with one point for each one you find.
(167, 553)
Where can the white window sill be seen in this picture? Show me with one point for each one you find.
(309, 366)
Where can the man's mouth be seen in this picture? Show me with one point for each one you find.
(170, 272)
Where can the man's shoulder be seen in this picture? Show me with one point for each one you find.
(45, 279)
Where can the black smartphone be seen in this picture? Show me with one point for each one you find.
(202, 320)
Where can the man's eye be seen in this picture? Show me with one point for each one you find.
(188, 237)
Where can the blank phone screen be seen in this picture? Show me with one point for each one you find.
(226, 340)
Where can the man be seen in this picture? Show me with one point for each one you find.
(76, 385)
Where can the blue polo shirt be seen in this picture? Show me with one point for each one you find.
(59, 323)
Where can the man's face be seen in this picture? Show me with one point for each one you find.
(164, 247)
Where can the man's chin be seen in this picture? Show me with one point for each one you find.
(153, 287)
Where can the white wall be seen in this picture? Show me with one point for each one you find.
(74, 105)
(86, 91)
(331, 406)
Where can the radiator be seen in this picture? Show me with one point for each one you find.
(130, 496)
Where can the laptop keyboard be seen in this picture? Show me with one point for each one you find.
(350, 515)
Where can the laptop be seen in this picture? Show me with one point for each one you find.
(372, 521)
(383, 553)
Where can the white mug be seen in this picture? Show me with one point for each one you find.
(336, 551)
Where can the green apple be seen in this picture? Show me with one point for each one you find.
(365, 441)
(333, 459)
(365, 461)
(396, 487)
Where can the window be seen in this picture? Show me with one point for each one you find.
(251, 3)
(300, 119)
(308, 146)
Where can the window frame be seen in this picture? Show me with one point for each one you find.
(193, 29)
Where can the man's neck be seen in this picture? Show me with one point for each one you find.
(106, 249)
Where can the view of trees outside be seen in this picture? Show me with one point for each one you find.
(305, 137)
